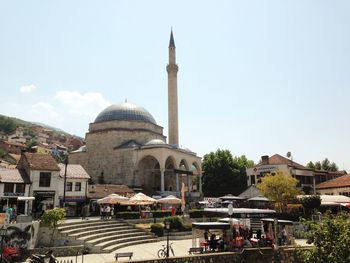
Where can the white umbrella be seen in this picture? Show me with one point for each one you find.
(170, 200)
(141, 199)
(113, 199)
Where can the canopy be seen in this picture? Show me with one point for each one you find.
(170, 200)
(113, 199)
(280, 221)
(210, 225)
(141, 199)
(25, 198)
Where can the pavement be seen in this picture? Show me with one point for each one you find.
(140, 252)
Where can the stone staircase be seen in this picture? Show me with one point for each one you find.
(104, 236)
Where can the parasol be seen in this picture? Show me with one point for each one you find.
(141, 199)
(170, 200)
(113, 199)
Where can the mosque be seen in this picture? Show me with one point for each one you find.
(125, 145)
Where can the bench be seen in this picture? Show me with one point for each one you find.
(194, 250)
(123, 255)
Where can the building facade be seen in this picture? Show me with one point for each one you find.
(308, 178)
(125, 145)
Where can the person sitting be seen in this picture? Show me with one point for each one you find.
(213, 242)
(246, 243)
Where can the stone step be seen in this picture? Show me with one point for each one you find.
(116, 237)
(122, 240)
(112, 230)
(94, 234)
(77, 222)
(112, 248)
(78, 229)
(87, 224)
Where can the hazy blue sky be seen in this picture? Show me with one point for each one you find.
(255, 77)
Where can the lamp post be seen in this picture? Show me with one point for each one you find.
(3, 232)
(65, 181)
(167, 227)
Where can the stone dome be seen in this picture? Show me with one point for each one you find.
(125, 112)
(155, 142)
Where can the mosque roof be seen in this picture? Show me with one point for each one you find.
(126, 112)
(156, 142)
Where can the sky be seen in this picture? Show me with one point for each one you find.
(255, 77)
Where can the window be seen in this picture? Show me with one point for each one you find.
(69, 186)
(78, 186)
(20, 188)
(45, 179)
(8, 188)
(252, 179)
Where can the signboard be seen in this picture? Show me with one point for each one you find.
(4, 219)
(230, 209)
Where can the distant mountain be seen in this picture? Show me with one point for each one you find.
(26, 124)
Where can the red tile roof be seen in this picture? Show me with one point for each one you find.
(342, 181)
(74, 171)
(98, 191)
(279, 159)
(41, 162)
(13, 176)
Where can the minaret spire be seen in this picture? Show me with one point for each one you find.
(172, 69)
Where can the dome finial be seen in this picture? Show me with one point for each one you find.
(172, 42)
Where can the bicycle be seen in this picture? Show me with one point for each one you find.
(162, 253)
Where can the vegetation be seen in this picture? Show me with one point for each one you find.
(128, 215)
(223, 174)
(279, 188)
(178, 223)
(325, 165)
(52, 217)
(196, 213)
(310, 203)
(7, 125)
(331, 239)
(157, 229)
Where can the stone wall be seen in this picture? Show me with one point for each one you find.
(251, 255)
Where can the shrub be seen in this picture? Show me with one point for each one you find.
(196, 213)
(128, 215)
(157, 229)
(176, 222)
(160, 213)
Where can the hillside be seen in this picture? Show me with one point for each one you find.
(9, 124)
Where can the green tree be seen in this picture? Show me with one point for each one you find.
(310, 203)
(279, 188)
(331, 240)
(223, 174)
(52, 217)
(325, 165)
(7, 125)
(310, 165)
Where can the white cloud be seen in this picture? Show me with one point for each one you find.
(88, 104)
(46, 113)
(27, 88)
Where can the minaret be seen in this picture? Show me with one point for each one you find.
(172, 70)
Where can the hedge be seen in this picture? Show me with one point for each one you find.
(157, 229)
(128, 215)
(196, 213)
(161, 213)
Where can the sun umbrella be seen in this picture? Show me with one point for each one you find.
(113, 199)
(141, 199)
(170, 200)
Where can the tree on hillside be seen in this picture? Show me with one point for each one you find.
(223, 174)
(279, 188)
(7, 125)
(325, 165)
(330, 238)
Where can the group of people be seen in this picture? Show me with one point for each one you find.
(106, 212)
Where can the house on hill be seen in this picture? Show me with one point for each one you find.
(337, 186)
(308, 178)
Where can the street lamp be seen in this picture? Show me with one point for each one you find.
(65, 181)
(3, 232)
(167, 227)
